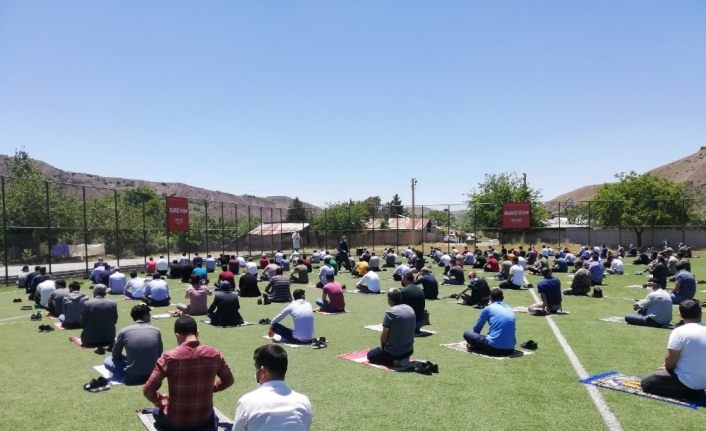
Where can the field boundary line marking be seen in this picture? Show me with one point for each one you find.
(609, 418)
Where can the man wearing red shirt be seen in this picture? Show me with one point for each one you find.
(151, 266)
(332, 298)
(225, 275)
(194, 372)
(492, 264)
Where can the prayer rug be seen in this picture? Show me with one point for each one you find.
(631, 384)
(378, 328)
(361, 357)
(208, 322)
(461, 347)
(224, 423)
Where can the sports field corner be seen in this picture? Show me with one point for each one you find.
(43, 373)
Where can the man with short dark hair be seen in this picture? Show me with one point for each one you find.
(549, 289)
(303, 317)
(98, 319)
(413, 296)
(500, 340)
(43, 291)
(194, 371)
(429, 284)
(369, 283)
(143, 345)
(397, 338)
(225, 275)
(225, 308)
(332, 300)
(157, 292)
(273, 405)
(597, 270)
(655, 310)
(247, 286)
(480, 291)
(135, 287)
(300, 273)
(56, 299)
(22, 278)
(73, 307)
(516, 276)
(162, 266)
(683, 374)
(685, 287)
(116, 282)
(278, 289)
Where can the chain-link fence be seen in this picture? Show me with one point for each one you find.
(66, 226)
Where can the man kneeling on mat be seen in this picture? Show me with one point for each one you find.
(143, 345)
(397, 338)
(655, 310)
(194, 371)
(683, 374)
(549, 289)
(500, 340)
(303, 315)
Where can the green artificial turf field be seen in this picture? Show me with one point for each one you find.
(42, 374)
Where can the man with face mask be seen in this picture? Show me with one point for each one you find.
(273, 405)
(194, 372)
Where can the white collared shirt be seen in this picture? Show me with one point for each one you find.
(273, 406)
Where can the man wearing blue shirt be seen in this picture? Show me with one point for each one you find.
(500, 340)
(201, 272)
(596, 269)
(549, 289)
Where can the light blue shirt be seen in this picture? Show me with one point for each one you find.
(116, 283)
(501, 320)
(157, 290)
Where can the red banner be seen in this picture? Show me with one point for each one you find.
(177, 214)
(517, 215)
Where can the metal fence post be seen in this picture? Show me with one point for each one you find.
(205, 208)
(325, 229)
(374, 209)
(144, 232)
(424, 230)
(4, 233)
(262, 233)
(348, 222)
(249, 236)
(281, 247)
(117, 228)
(85, 229)
(448, 230)
(46, 188)
(223, 229)
(589, 224)
(397, 233)
(272, 231)
(620, 223)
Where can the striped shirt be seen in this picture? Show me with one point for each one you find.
(278, 289)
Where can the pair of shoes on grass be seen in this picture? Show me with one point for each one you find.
(264, 321)
(426, 368)
(319, 343)
(26, 307)
(97, 385)
(45, 328)
(36, 316)
(17, 300)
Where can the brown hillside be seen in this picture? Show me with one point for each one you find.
(163, 189)
(690, 169)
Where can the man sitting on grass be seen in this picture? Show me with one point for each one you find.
(157, 292)
(480, 291)
(332, 300)
(303, 316)
(370, 283)
(143, 345)
(278, 289)
(596, 269)
(73, 307)
(517, 276)
(324, 271)
(225, 308)
(194, 371)
(98, 319)
(300, 273)
(429, 284)
(135, 287)
(361, 268)
(500, 340)
(549, 289)
(56, 299)
(685, 287)
(400, 271)
(247, 286)
(655, 310)
(414, 297)
(273, 405)
(197, 294)
(683, 374)
(581, 284)
(397, 338)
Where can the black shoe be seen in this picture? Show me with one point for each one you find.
(529, 345)
(322, 342)
(100, 351)
(434, 367)
(259, 301)
(17, 300)
(422, 368)
(37, 316)
(26, 307)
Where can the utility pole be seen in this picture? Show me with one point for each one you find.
(414, 233)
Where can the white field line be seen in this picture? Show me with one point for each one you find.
(608, 417)
(13, 318)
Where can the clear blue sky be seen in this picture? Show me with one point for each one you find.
(330, 100)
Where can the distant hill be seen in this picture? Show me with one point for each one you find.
(690, 169)
(162, 189)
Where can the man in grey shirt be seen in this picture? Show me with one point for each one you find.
(143, 345)
(655, 310)
(98, 319)
(397, 339)
(73, 307)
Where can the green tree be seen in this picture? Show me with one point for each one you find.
(639, 201)
(485, 202)
(395, 206)
(296, 211)
(372, 206)
(341, 217)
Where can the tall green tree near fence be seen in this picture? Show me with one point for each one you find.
(640, 201)
(485, 202)
(296, 211)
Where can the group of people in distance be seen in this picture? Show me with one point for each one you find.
(137, 351)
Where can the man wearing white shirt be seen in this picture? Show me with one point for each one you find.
(162, 266)
(369, 283)
(251, 267)
(273, 405)
(683, 374)
(296, 240)
(44, 291)
(278, 257)
(517, 276)
(324, 272)
(303, 316)
(445, 260)
(616, 266)
(400, 271)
